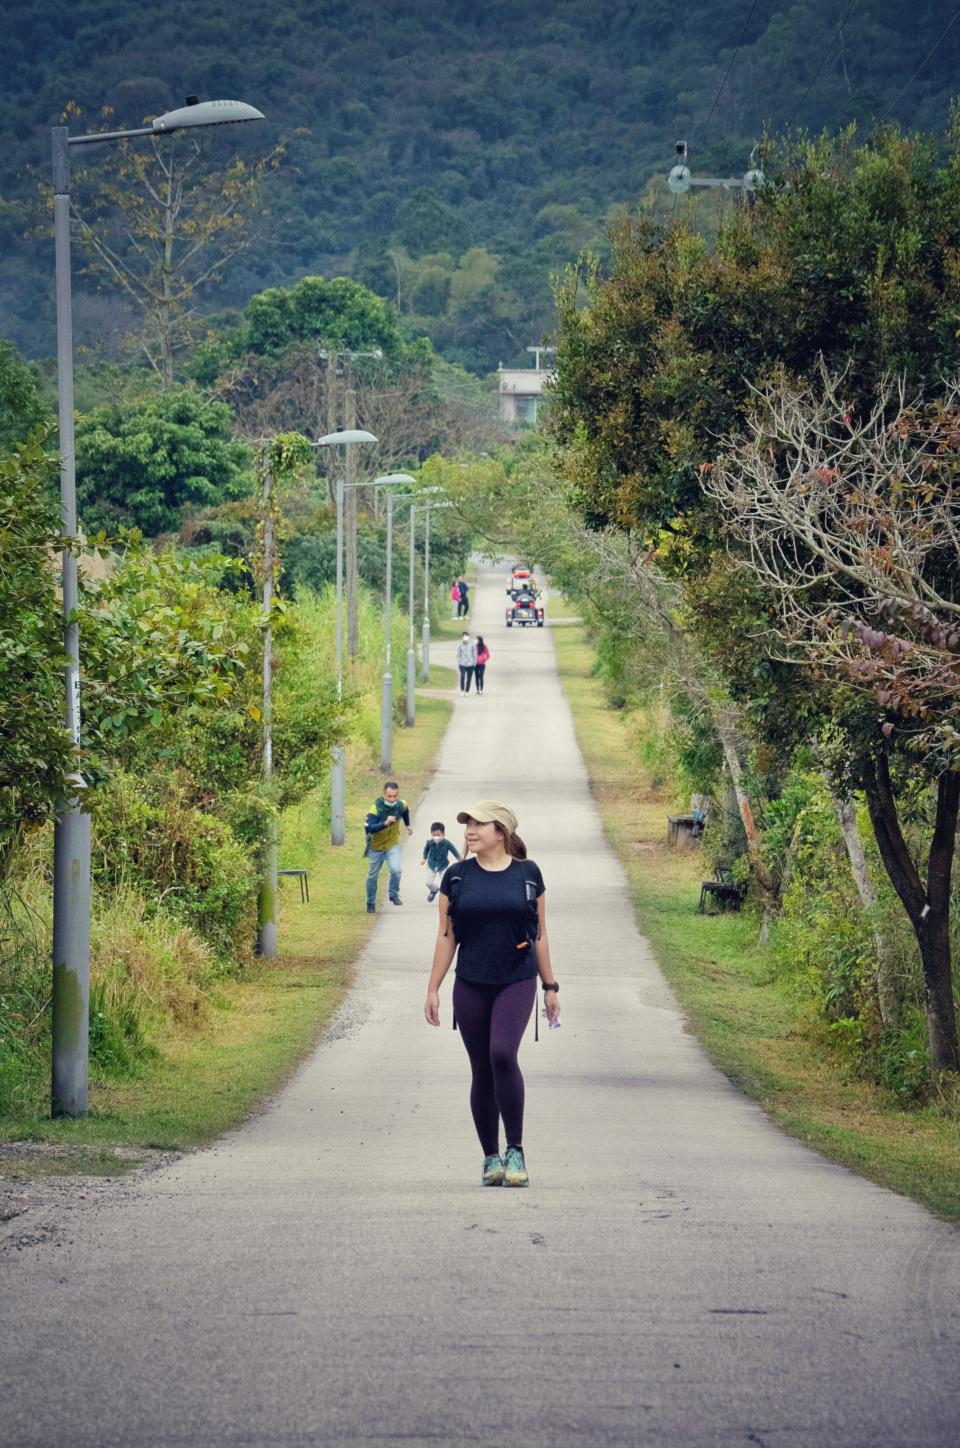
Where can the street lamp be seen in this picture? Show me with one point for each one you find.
(425, 632)
(338, 784)
(388, 480)
(71, 835)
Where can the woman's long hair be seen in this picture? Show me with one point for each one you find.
(480, 643)
(513, 844)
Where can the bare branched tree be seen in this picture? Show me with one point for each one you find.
(293, 393)
(156, 223)
(852, 527)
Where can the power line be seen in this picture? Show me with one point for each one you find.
(893, 104)
(726, 75)
(826, 56)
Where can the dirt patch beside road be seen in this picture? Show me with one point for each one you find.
(44, 1185)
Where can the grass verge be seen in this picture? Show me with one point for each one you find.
(206, 1079)
(763, 1037)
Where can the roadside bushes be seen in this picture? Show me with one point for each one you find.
(149, 837)
(172, 755)
(33, 746)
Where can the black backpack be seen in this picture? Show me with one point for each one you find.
(533, 916)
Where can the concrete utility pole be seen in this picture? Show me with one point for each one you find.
(349, 399)
(411, 649)
(425, 632)
(389, 480)
(267, 895)
(338, 782)
(71, 834)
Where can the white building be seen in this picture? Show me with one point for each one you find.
(521, 389)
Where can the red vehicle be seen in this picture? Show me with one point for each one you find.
(524, 610)
(521, 580)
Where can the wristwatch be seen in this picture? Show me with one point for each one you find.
(550, 985)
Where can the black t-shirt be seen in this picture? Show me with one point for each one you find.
(493, 921)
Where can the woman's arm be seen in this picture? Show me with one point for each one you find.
(551, 1000)
(443, 953)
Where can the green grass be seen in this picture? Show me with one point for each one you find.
(208, 1078)
(765, 1039)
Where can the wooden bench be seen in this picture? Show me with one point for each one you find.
(724, 890)
(682, 830)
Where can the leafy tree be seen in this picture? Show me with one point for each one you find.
(145, 464)
(425, 223)
(21, 407)
(34, 747)
(338, 313)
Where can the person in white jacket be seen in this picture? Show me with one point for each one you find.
(467, 661)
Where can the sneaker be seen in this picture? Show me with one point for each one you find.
(371, 909)
(492, 1171)
(395, 900)
(514, 1168)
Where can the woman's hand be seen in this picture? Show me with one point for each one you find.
(432, 1008)
(551, 1004)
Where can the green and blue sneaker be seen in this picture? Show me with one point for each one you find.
(492, 1171)
(514, 1168)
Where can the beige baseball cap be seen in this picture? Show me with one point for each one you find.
(486, 810)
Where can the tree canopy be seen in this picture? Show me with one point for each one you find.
(142, 465)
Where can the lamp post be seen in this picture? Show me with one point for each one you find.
(71, 836)
(338, 781)
(386, 690)
(411, 648)
(267, 894)
(425, 631)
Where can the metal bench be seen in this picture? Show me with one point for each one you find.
(304, 887)
(724, 890)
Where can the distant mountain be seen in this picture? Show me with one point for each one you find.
(452, 130)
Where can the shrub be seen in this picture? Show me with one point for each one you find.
(147, 835)
(143, 464)
(34, 749)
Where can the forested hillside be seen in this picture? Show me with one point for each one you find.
(451, 156)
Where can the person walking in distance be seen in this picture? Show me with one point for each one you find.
(382, 825)
(436, 857)
(467, 662)
(480, 667)
(454, 599)
(463, 606)
(493, 917)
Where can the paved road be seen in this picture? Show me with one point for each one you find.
(678, 1273)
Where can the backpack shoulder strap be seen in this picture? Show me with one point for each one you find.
(455, 882)
(533, 910)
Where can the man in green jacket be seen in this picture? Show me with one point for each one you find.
(383, 841)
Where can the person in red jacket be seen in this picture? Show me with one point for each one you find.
(479, 668)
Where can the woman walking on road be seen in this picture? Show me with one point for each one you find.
(493, 915)
(483, 658)
(467, 661)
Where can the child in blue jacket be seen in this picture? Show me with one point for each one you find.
(436, 857)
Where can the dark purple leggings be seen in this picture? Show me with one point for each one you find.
(492, 1020)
